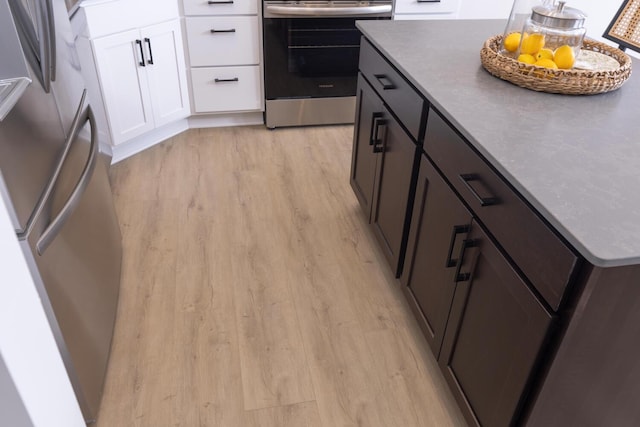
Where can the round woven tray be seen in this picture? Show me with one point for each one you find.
(569, 82)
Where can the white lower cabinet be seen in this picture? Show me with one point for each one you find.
(220, 89)
(143, 78)
(223, 40)
(425, 9)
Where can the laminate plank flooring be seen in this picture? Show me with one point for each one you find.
(254, 295)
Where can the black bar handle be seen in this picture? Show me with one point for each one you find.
(220, 2)
(377, 116)
(467, 178)
(148, 42)
(232, 30)
(457, 229)
(379, 141)
(235, 79)
(381, 79)
(428, 1)
(466, 244)
(139, 43)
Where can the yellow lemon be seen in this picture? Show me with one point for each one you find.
(526, 58)
(564, 57)
(532, 43)
(546, 63)
(544, 54)
(512, 41)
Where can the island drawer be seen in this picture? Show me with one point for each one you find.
(537, 251)
(394, 90)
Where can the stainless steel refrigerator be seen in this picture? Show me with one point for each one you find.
(53, 178)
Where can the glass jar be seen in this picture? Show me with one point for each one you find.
(556, 29)
(520, 12)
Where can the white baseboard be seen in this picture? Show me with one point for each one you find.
(136, 145)
(229, 119)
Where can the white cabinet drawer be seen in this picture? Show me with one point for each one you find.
(225, 40)
(220, 7)
(221, 89)
(424, 7)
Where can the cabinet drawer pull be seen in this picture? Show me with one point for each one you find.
(216, 80)
(466, 244)
(384, 81)
(457, 229)
(377, 116)
(220, 2)
(379, 137)
(148, 42)
(467, 178)
(231, 30)
(428, 1)
(139, 43)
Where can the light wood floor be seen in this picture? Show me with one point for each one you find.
(253, 293)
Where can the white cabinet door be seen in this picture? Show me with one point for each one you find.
(166, 72)
(123, 79)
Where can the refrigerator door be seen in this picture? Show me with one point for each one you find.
(31, 135)
(49, 45)
(75, 244)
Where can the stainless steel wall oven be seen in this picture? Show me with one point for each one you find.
(311, 51)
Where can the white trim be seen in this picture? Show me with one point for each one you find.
(229, 119)
(149, 139)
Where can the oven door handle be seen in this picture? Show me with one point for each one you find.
(328, 11)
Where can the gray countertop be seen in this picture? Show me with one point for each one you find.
(576, 159)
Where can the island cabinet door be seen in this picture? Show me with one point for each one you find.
(494, 335)
(394, 181)
(369, 110)
(439, 225)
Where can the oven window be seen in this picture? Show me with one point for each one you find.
(310, 57)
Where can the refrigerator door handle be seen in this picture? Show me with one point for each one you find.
(54, 227)
(48, 42)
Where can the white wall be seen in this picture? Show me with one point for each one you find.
(27, 346)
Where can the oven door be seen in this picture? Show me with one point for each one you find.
(311, 49)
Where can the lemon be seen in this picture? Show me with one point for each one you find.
(512, 41)
(564, 57)
(532, 43)
(546, 63)
(544, 54)
(526, 58)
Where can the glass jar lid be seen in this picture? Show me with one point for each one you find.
(558, 16)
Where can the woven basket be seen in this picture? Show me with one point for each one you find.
(569, 82)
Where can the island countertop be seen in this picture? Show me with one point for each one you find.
(575, 159)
